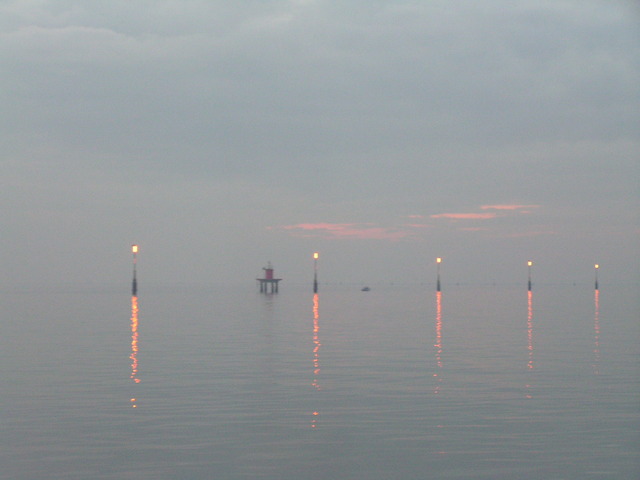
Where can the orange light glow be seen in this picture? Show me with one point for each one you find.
(530, 263)
(597, 266)
(315, 256)
(438, 260)
(134, 248)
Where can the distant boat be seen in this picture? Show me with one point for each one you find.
(365, 289)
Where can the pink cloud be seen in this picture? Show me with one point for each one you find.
(509, 207)
(346, 231)
(488, 215)
(466, 216)
(319, 226)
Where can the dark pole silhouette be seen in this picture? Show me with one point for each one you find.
(315, 272)
(134, 284)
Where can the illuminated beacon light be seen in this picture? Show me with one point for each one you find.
(529, 263)
(315, 272)
(134, 248)
(439, 260)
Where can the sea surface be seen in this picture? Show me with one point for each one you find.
(402, 382)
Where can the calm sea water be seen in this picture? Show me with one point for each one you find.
(395, 383)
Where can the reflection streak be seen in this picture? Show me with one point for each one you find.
(438, 344)
(316, 354)
(530, 327)
(530, 365)
(134, 344)
(596, 333)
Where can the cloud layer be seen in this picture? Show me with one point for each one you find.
(253, 129)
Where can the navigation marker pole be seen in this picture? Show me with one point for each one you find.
(315, 272)
(134, 284)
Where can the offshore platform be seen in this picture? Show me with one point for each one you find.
(268, 282)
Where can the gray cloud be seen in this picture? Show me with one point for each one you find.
(222, 119)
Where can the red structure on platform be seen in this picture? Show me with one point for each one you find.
(268, 280)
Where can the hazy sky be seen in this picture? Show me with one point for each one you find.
(219, 135)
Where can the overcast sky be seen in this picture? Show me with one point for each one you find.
(219, 135)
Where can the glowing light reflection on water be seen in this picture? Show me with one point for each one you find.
(382, 397)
